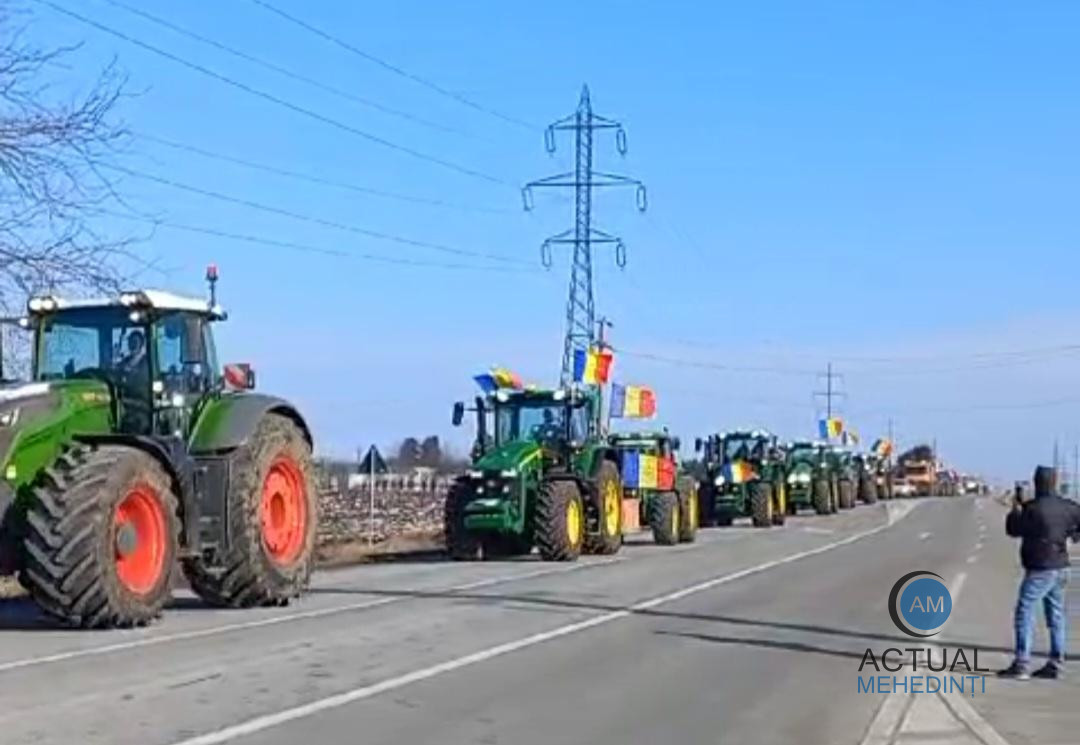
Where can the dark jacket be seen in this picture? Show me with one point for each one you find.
(1044, 524)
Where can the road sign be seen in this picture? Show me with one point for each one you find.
(373, 462)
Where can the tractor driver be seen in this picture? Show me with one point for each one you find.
(134, 382)
(549, 430)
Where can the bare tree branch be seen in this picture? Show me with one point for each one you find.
(53, 192)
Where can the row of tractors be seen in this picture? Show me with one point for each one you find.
(546, 475)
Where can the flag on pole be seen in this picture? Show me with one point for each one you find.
(487, 382)
(831, 427)
(644, 471)
(883, 447)
(498, 378)
(632, 401)
(592, 365)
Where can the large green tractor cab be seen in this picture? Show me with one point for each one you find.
(545, 477)
(654, 493)
(866, 488)
(843, 465)
(744, 477)
(130, 450)
(811, 479)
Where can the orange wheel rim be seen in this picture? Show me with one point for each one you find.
(140, 539)
(283, 511)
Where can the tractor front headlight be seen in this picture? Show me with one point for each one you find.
(475, 474)
(804, 477)
(793, 478)
(510, 473)
(719, 481)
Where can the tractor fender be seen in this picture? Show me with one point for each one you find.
(599, 457)
(226, 422)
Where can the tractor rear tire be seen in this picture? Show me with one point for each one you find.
(847, 494)
(688, 512)
(779, 514)
(706, 506)
(821, 497)
(560, 521)
(102, 532)
(460, 544)
(761, 504)
(607, 494)
(664, 518)
(869, 490)
(724, 518)
(273, 510)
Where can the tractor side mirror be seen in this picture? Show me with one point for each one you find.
(698, 445)
(459, 413)
(239, 376)
(676, 443)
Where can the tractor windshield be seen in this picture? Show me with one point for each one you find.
(88, 343)
(540, 421)
(804, 455)
(744, 448)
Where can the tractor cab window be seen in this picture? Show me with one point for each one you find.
(804, 455)
(180, 346)
(579, 424)
(538, 422)
(743, 448)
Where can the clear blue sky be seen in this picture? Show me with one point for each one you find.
(837, 180)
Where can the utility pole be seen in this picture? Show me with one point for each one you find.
(580, 306)
(1076, 472)
(830, 391)
(1057, 464)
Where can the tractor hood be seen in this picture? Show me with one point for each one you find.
(511, 455)
(802, 466)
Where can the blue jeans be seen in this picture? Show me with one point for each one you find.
(1047, 585)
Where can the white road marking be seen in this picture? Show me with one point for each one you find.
(289, 618)
(258, 724)
(887, 720)
(978, 545)
(817, 531)
(924, 535)
(972, 559)
(966, 714)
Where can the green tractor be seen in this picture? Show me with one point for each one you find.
(665, 501)
(811, 478)
(744, 477)
(866, 487)
(130, 450)
(843, 465)
(546, 478)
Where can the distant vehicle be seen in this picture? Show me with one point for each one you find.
(903, 488)
(921, 475)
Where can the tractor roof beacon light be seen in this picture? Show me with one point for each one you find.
(211, 279)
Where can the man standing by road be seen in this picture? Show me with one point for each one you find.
(1044, 525)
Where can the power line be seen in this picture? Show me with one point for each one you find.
(165, 23)
(259, 93)
(304, 247)
(391, 237)
(830, 391)
(682, 362)
(312, 179)
(391, 67)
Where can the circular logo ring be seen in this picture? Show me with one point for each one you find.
(930, 617)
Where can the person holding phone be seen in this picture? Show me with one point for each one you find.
(1043, 525)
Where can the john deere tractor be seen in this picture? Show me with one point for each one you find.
(744, 477)
(130, 450)
(843, 464)
(545, 477)
(866, 487)
(666, 501)
(811, 478)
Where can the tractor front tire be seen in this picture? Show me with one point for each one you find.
(664, 518)
(607, 494)
(560, 521)
(780, 510)
(761, 504)
(688, 512)
(706, 506)
(460, 544)
(847, 494)
(821, 497)
(101, 538)
(273, 510)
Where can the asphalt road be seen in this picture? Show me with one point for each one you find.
(747, 636)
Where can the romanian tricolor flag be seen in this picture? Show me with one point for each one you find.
(592, 365)
(738, 472)
(850, 437)
(643, 471)
(832, 427)
(632, 401)
(883, 447)
(499, 377)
